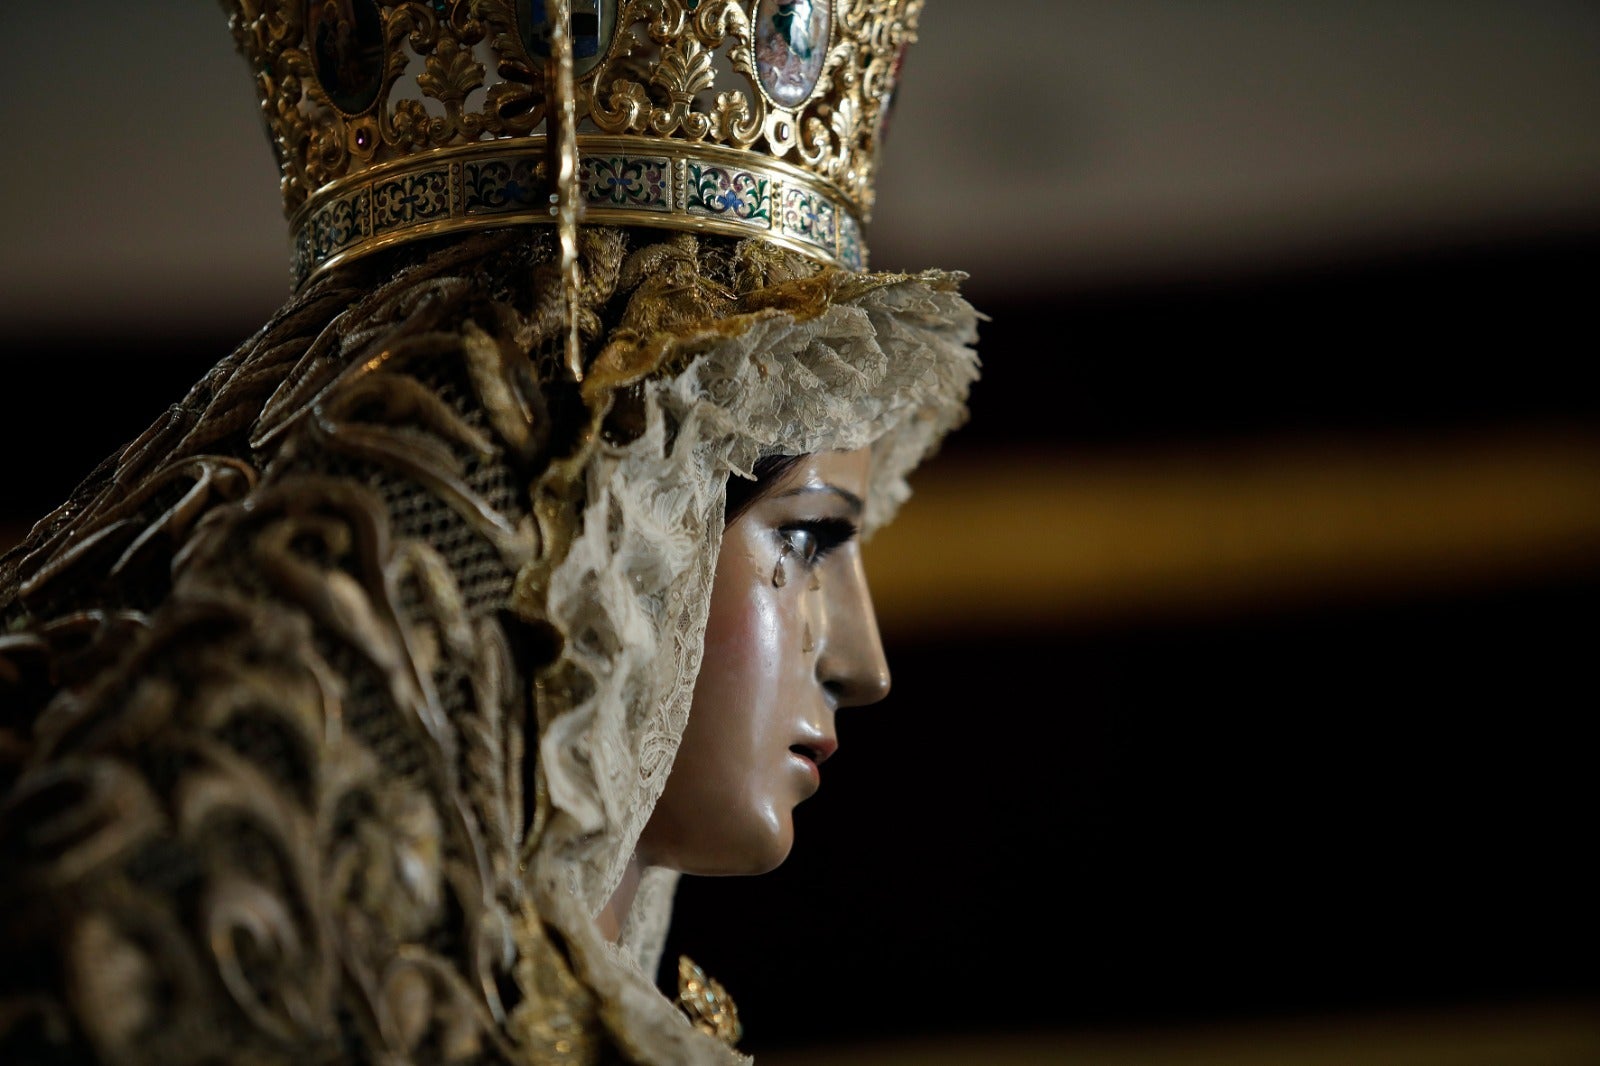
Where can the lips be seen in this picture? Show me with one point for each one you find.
(817, 751)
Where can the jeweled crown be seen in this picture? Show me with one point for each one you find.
(393, 121)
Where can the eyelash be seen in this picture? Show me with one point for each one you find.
(826, 534)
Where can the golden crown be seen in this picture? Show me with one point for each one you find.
(394, 121)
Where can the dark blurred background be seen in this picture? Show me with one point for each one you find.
(1243, 641)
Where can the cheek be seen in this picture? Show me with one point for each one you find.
(742, 677)
(726, 808)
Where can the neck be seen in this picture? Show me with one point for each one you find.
(621, 902)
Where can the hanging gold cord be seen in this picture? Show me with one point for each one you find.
(561, 126)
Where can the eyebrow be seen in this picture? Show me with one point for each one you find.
(851, 499)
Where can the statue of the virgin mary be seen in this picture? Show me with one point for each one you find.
(369, 705)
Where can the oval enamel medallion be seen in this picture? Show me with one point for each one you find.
(791, 41)
(346, 39)
(594, 22)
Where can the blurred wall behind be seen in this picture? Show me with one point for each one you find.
(1106, 141)
(1243, 640)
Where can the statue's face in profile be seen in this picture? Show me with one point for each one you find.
(790, 639)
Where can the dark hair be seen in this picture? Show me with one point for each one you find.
(743, 491)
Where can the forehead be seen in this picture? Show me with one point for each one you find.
(849, 471)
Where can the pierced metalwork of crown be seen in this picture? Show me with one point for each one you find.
(393, 121)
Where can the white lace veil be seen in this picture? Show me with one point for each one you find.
(886, 361)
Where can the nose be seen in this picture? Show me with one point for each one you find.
(850, 662)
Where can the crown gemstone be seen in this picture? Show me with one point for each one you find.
(347, 51)
(594, 22)
(791, 41)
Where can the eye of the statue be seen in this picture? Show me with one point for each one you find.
(815, 538)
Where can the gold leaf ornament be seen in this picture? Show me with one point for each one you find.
(707, 1003)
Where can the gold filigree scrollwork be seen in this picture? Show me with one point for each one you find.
(685, 69)
(450, 74)
(671, 79)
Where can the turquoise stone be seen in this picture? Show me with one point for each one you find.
(346, 38)
(791, 41)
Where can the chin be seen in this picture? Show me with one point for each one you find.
(760, 851)
(774, 861)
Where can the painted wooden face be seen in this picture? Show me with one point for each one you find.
(790, 639)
